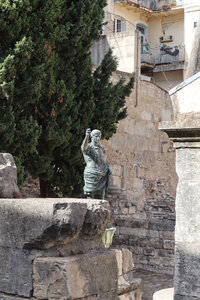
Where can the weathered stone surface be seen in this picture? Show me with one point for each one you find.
(129, 222)
(125, 286)
(161, 225)
(7, 297)
(133, 295)
(44, 223)
(107, 296)
(150, 236)
(184, 131)
(168, 244)
(187, 254)
(180, 95)
(127, 261)
(146, 175)
(119, 261)
(8, 177)
(128, 285)
(44, 227)
(188, 220)
(15, 272)
(187, 270)
(93, 274)
(96, 218)
(183, 297)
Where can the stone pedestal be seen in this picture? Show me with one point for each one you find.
(52, 249)
(187, 232)
(184, 131)
(49, 235)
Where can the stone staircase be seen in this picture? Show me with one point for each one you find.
(128, 286)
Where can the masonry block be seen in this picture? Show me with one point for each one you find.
(75, 277)
(45, 227)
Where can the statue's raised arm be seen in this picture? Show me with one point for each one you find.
(85, 143)
(97, 172)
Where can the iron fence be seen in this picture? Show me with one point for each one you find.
(158, 56)
(152, 4)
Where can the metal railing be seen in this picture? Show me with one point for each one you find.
(152, 4)
(158, 57)
(165, 3)
(145, 3)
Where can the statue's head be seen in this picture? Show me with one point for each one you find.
(95, 136)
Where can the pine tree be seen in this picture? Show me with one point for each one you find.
(49, 94)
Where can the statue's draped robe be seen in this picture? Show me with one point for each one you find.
(97, 171)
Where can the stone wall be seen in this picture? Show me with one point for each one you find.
(142, 161)
(52, 249)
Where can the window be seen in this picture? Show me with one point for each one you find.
(144, 37)
(141, 29)
(119, 25)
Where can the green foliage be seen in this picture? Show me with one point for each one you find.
(109, 98)
(48, 92)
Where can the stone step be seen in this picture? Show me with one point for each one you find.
(126, 286)
(134, 295)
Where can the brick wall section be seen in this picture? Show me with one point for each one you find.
(142, 194)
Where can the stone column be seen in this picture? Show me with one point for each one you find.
(184, 131)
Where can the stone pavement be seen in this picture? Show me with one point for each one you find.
(152, 282)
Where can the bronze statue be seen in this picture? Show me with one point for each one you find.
(97, 172)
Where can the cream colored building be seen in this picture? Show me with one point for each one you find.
(143, 35)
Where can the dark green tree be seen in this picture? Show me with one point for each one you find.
(49, 94)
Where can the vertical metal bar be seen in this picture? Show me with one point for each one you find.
(137, 66)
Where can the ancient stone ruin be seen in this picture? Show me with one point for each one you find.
(184, 131)
(8, 177)
(52, 249)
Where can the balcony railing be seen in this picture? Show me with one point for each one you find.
(162, 4)
(152, 4)
(145, 3)
(158, 57)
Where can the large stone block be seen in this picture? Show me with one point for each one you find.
(139, 128)
(45, 227)
(187, 164)
(130, 141)
(187, 206)
(75, 277)
(15, 272)
(130, 222)
(126, 286)
(161, 225)
(8, 177)
(127, 261)
(187, 270)
(133, 295)
(182, 297)
(44, 223)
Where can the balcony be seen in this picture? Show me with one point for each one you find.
(144, 3)
(156, 57)
(165, 4)
(152, 4)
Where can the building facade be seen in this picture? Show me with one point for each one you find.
(156, 38)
